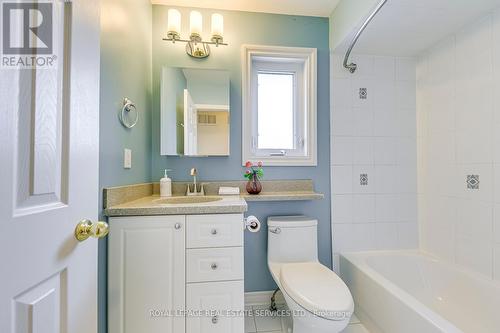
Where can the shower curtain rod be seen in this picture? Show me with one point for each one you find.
(352, 66)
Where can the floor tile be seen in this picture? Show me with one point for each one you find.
(249, 320)
(259, 320)
(356, 328)
(265, 320)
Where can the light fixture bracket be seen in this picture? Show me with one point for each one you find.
(197, 50)
(195, 46)
(173, 36)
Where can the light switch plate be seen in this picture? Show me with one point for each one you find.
(127, 158)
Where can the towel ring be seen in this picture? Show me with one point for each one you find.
(128, 106)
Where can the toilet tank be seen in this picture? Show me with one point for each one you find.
(292, 239)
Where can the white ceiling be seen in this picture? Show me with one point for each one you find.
(408, 27)
(322, 8)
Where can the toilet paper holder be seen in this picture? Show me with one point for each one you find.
(251, 223)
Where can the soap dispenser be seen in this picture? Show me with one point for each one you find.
(166, 185)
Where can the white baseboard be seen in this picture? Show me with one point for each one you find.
(262, 297)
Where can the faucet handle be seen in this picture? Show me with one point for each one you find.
(194, 172)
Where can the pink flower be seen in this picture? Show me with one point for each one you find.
(248, 164)
(248, 172)
(259, 164)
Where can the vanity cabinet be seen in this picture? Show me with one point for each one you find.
(176, 274)
(146, 274)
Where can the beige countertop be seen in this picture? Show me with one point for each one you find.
(143, 199)
(151, 205)
(283, 196)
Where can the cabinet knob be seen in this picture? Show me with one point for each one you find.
(215, 319)
(178, 226)
(275, 230)
(214, 232)
(214, 266)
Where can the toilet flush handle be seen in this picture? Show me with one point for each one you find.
(275, 230)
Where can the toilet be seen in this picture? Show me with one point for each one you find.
(318, 299)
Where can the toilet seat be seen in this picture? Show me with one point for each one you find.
(317, 289)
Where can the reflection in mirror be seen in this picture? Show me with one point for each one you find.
(194, 112)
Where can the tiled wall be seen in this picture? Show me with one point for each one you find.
(373, 162)
(459, 137)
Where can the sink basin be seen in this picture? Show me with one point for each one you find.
(186, 200)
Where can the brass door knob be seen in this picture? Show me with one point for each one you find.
(86, 228)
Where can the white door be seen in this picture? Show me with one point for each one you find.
(49, 178)
(190, 126)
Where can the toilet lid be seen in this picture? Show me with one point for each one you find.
(317, 289)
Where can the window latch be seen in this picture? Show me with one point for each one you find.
(280, 153)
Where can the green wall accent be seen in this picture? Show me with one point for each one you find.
(262, 29)
(174, 85)
(125, 72)
(131, 46)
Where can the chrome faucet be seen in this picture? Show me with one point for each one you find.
(194, 173)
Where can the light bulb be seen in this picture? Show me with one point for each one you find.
(174, 21)
(217, 25)
(195, 23)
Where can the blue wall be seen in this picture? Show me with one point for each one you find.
(125, 72)
(250, 28)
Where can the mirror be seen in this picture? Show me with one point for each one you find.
(195, 114)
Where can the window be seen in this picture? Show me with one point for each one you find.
(275, 110)
(279, 105)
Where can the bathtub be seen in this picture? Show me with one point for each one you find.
(411, 292)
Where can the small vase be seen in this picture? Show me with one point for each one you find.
(253, 185)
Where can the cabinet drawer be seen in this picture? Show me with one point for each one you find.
(215, 307)
(214, 230)
(215, 264)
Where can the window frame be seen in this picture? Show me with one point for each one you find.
(302, 63)
(289, 68)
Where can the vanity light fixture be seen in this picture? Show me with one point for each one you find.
(195, 46)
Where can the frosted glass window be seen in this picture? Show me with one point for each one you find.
(275, 110)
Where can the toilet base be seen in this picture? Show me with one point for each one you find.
(306, 322)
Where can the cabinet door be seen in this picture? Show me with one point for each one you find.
(215, 307)
(146, 274)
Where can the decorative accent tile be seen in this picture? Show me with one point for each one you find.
(363, 93)
(363, 179)
(473, 182)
